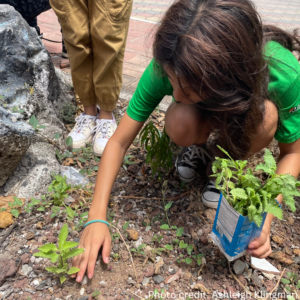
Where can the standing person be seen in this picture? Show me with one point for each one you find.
(95, 35)
(226, 71)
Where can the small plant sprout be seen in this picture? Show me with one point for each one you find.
(96, 294)
(59, 188)
(35, 123)
(247, 194)
(290, 281)
(14, 207)
(157, 145)
(139, 249)
(60, 254)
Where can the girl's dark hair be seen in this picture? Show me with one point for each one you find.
(217, 47)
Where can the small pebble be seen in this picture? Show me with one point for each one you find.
(81, 291)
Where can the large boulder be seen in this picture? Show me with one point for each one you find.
(29, 86)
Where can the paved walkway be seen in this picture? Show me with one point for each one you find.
(145, 15)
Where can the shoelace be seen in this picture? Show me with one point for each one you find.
(102, 127)
(193, 153)
(81, 121)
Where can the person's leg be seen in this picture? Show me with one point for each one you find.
(109, 28)
(74, 20)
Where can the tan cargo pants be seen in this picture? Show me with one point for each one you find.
(95, 33)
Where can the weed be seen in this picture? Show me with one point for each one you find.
(15, 109)
(35, 123)
(60, 255)
(139, 249)
(290, 281)
(96, 294)
(68, 113)
(127, 162)
(59, 188)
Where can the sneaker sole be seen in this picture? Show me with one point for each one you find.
(210, 204)
(187, 180)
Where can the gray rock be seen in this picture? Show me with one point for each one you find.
(29, 86)
(145, 281)
(84, 298)
(297, 260)
(84, 280)
(26, 269)
(239, 267)
(158, 279)
(257, 280)
(116, 248)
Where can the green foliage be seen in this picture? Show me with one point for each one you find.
(179, 232)
(35, 123)
(59, 254)
(68, 113)
(127, 162)
(157, 145)
(15, 109)
(69, 141)
(59, 188)
(14, 207)
(139, 249)
(247, 194)
(96, 294)
(33, 202)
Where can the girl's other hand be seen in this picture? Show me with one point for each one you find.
(261, 247)
(94, 236)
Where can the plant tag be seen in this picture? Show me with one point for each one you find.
(232, 232)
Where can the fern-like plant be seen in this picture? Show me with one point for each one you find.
(247, 194)
(157, 145)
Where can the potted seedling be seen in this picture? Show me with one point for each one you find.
(245, 201)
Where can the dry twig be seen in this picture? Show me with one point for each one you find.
(169, 199)
(276, 286)
(8, 232)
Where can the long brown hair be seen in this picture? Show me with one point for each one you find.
(217, 47)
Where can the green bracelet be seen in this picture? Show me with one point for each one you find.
(94, 221)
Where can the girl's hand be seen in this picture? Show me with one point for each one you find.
(94, 236)
(261, 247)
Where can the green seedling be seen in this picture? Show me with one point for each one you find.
(14, 207)
(139, 249)
(157, 145)
(35, 123)
(127, 162)
(247, 194)
(290, 281)
(15, 109)
(59, 188)
(96, 294)
(60, 254)
(33, 202)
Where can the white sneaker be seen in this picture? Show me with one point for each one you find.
(103, 131)
(211, 195)
(82, 133)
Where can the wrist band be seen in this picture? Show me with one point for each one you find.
(278, 203)
(94, 221)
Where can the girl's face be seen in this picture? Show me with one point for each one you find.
(183, 93)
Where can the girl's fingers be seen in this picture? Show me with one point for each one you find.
(106, 249)
(261, 240)
(266, 254)
(76, 263)
(92, 259)
(263, 248)
(83, 264)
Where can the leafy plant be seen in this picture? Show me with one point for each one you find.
(35, 123)
(15, 109)
(60, 254)
(68, 113)
(126, 161)
(139, 249)
(59, 187)
(247, 194)
(31, 204)
(157, 145)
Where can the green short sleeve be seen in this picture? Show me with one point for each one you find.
(152, 87)
(284, 90)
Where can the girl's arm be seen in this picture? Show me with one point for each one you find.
(288, 162)
(96, 235)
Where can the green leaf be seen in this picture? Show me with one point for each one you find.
(73, 270)
(125, 226)
(168, 205)
(69, 245)
(285, 281)
(14, 212)
(182, 245)
(17, 202)
(73, 253)
(140, 247)
(33, 122)
(50, 255)
(239, 193)
(63, 237)
(70, 212)
(47, 248)
(298, 285)
(179, 231)
(165, 227)
(56, 136)
(42, 208)
(188, 260)
(69, 141)
(169, 247)
(62, 279)
(199, 261)
(174, 227)
(275, 210)
(53, 269)
(189, 249)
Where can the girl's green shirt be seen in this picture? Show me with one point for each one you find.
(284, 90)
